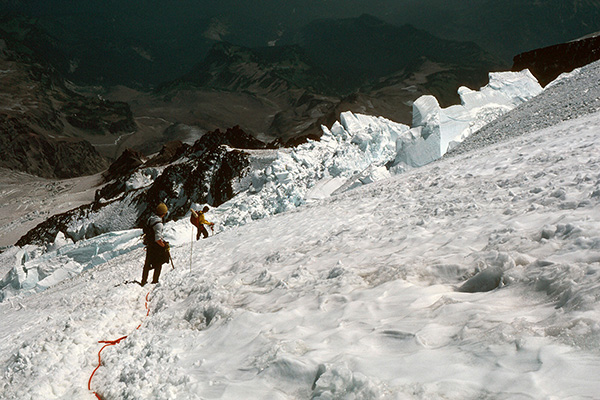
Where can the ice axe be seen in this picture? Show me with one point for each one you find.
(168, 249)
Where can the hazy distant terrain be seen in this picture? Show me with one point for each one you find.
(129, 42)
(108, 76)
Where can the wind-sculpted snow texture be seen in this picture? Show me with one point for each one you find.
(353, 296)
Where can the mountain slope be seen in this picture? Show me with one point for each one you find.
(507, 27)
(235, 68)
(276, 93)
(354, 296)
(367, 48)
(45, 127)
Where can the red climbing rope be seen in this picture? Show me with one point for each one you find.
(108, 343)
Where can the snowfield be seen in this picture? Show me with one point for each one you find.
(476, 276)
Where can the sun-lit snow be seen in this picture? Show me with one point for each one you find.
(357, 150)
(361, 149)
(354, 296)
(436, 130)
(347, 291)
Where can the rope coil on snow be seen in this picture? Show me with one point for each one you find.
(108, 343)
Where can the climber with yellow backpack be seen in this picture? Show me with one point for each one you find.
(197, 219)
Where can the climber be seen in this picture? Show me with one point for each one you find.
(197, 219)
(157, 249)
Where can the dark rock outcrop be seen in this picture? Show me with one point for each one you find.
(46, 231)
(202, 173)
(549, 62)
(215, 160)
(206, 178)
(234, 137)
(125, 164)
(24, 149)
(170, 152)
(44, 125)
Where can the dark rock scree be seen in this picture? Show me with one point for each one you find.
(547, 63)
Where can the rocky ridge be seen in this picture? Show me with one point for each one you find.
(181, 176)
(45, 127)
(547, 63)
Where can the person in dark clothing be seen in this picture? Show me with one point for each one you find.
(197, 219)
(157, 250)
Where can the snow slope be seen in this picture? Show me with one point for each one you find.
(27, 200)
(354, 296)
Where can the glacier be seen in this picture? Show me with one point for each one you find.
(357, 150)
(354, 296)
(361, 149)
(476, 276)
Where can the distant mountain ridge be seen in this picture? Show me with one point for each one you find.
(549, 62)
(237, 68)
(364, 64)
(44, 124)
(331, 56)
(282, 89)
(358, 50)
(503, 27)
(143, 44)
